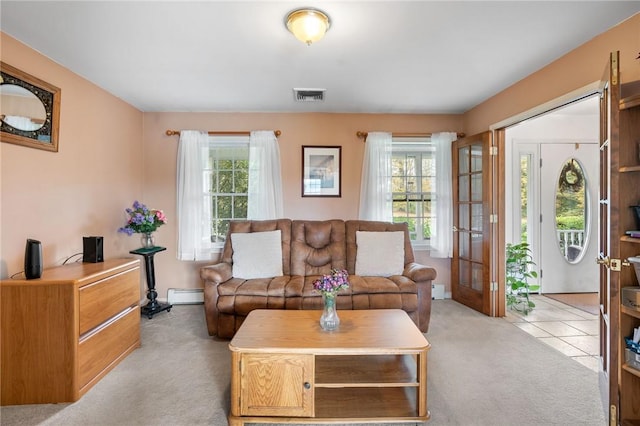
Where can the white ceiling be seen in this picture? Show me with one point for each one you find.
(378, 56)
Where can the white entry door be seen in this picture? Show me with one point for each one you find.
(569, 217)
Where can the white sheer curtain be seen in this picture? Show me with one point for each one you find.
(194, 208)
(375, 185)
(265, 179)
(442, 234)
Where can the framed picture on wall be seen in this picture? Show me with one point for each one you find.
(321, 171)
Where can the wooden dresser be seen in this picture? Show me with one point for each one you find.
(63, 332)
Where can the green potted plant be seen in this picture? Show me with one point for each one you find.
(518, 271)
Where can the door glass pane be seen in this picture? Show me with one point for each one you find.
(463, 160)
(572, 211)
(476, 247)
(463, 188)
(476, 217)
(525, 166)
(464, 270)
(476, 187)
(463, 238)
(463, 216)
(476, 277)
(476, 158)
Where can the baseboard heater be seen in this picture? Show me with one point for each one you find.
(185, 296)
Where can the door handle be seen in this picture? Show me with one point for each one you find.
(604, 261)
(454, 228)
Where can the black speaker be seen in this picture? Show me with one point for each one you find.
(33, 259)
(92, 249)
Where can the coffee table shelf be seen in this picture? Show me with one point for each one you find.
(366, 370)
(285, 369)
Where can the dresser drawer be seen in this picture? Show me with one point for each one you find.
(104, 346)
(103, 299)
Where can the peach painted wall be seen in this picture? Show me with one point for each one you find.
(579, 68)
(298, 129)
(82, 189)
(111, 153)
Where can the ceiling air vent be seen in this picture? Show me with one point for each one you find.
(309, 95)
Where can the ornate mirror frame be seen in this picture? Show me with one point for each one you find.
(46, 137)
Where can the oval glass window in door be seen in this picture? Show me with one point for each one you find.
(572, 211)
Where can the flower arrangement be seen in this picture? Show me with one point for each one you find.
(331, 283)
(142, 219)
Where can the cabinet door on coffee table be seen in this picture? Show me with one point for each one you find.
(276, 385)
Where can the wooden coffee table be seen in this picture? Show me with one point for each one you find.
(286, 369)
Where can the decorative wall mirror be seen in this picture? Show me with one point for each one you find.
(29, 110)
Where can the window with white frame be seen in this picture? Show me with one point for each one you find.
(413, 186)
(226, 178)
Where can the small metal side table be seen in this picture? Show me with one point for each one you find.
(153, 307)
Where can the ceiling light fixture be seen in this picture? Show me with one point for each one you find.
(308, 25)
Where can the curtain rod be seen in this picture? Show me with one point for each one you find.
(241, 133)
(363, 135)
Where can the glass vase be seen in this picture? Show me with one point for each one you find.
(146, 239)
(329, 320)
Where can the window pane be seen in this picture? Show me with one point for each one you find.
(240, 206)
(224, 206)
(413, 184)
(225, 164)
(242, 181)
(428, 184)
(219, 231)
(225, 174)
(225, 182)
(428, 166)
(398, 184)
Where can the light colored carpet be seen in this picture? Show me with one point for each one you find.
(482, 371)
(588, 302)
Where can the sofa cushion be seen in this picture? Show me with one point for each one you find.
(257, 254)
(317, 247)
(380, 254)
(352, 226)
(241, 226)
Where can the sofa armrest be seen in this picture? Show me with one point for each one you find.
(213, 275)
(418, 272)
(422, 276)
(216, 274)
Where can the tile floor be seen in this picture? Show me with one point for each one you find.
(571, 331)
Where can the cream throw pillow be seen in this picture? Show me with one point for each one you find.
(257, 254)
(380, 254)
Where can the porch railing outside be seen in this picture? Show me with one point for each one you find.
(571, 242)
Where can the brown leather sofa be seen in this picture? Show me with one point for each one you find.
(311, 249)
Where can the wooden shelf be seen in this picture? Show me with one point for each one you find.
(627, 239)
(630, 369)
(396, 403)
(371, 370)
(629, 169)
(630, 102)
(631, 312)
